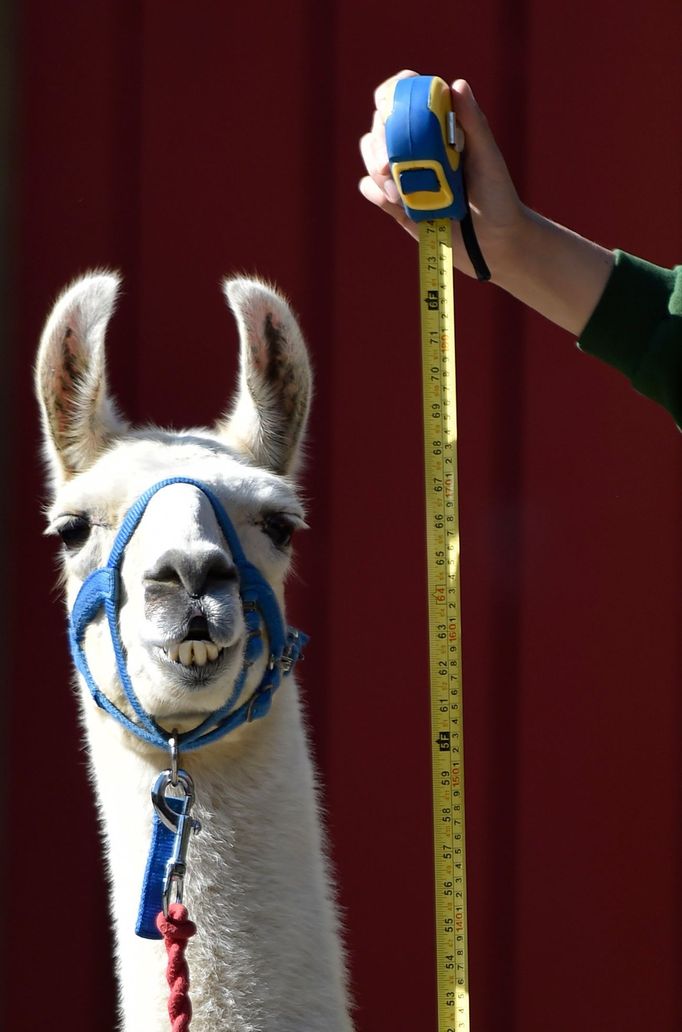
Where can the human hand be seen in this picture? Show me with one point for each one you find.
(497, 212)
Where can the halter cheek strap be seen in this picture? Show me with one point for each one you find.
(101, 590)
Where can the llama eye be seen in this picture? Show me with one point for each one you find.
(279, 528)
(74, 531)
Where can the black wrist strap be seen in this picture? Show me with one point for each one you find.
(471, 243)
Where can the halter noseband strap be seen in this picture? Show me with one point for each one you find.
(261, 610)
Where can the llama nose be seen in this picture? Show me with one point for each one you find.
(199, 573)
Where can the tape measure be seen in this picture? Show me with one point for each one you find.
(422, 143)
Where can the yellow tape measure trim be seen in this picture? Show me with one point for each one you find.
(442, 543)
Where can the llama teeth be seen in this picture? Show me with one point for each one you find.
(186, 652)
(200, 650)
(193, 653)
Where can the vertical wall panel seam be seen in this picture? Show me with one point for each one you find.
(508, 473)
(318, 114)
(7, 334)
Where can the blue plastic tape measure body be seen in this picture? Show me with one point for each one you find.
(426, 167)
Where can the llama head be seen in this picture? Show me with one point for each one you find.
(181, 619)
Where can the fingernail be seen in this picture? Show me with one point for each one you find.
(391, 191)
(464, 83)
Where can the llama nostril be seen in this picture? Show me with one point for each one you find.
(165, 575)
(219, 573)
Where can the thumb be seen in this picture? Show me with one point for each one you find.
(469, 115)
(480, 144)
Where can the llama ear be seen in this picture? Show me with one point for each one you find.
(79, 418)
(270, 412)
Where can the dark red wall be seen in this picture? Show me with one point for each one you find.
(179, 146)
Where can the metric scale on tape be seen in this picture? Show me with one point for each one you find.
(425, 162)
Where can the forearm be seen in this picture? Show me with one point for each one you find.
(555, 271)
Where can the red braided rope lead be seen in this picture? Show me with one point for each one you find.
(176, 930)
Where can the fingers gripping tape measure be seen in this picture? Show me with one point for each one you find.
(426, 166)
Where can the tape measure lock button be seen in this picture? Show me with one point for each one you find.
(413, 180)
(423, 186)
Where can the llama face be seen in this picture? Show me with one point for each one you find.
(181, 618)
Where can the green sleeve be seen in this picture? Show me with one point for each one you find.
(637, 327)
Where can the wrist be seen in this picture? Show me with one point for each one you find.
(509, 248)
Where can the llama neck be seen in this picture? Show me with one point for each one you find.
(266, 952)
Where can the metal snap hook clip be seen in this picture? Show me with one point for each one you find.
(174, 749)
(181, 824)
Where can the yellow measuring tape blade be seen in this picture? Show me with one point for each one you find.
(445, 660)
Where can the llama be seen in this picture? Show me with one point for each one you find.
(267, 954)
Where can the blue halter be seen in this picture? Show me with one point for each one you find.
(101, 589)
